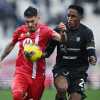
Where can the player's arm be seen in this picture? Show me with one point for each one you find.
(62, 30)
(53, 43)
(7, 50)
(56, 36)
(91, 48)
(10, 45)
(50, 48)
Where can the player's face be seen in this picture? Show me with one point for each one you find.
(31, 22)
(73, 18)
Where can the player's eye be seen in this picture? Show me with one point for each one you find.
(32, 21)
(72, 16)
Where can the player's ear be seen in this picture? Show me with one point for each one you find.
(81, 17)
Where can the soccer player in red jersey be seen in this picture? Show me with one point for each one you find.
(29, 77)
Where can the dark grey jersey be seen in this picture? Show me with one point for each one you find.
(75, 52)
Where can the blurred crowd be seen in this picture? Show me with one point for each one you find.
(51, 11)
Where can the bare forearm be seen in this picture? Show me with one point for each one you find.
(7, 50)
(57, 37)
(61, 29)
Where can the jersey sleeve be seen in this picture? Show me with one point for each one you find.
(90, 43)
(50, 47)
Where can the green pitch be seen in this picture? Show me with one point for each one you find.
(50, 93)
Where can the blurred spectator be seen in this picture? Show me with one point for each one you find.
(21, 5)
(8, 16)
(96, 4)
(78, 2)
(97, 7)
(57, 11)
(35, 2)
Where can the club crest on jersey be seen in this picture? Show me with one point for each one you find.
(27, 41)
(78, 39)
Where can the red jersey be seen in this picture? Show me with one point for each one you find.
(22, 35)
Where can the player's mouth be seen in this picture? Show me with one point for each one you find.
(31, 29)
(70, 23)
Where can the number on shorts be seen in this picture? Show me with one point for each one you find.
(81, 84)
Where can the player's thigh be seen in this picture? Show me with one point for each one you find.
(37, 87)
(77, 86)
(61, 83)
(19, 83)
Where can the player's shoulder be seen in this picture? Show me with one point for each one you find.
(21, 28)
(43, 26)
(85, 28)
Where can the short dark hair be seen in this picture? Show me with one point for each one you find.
(30, 11)
(79, 9)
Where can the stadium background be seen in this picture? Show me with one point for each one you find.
(52, 12)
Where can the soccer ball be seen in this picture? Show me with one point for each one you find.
(32, 52)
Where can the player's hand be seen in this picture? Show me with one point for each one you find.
(62, 26)
(92, 60)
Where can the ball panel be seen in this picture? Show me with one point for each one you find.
(32, 52)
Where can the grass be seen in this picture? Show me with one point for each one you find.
(50, 93)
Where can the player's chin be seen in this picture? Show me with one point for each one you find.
(32, 30)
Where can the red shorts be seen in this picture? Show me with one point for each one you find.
(25, 84)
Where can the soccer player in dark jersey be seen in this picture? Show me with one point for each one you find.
(73, 56)
(29, 78)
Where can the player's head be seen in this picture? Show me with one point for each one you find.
(74, 15)
(31, 18)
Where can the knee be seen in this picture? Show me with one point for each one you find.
(61, 88)
(61, 84)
